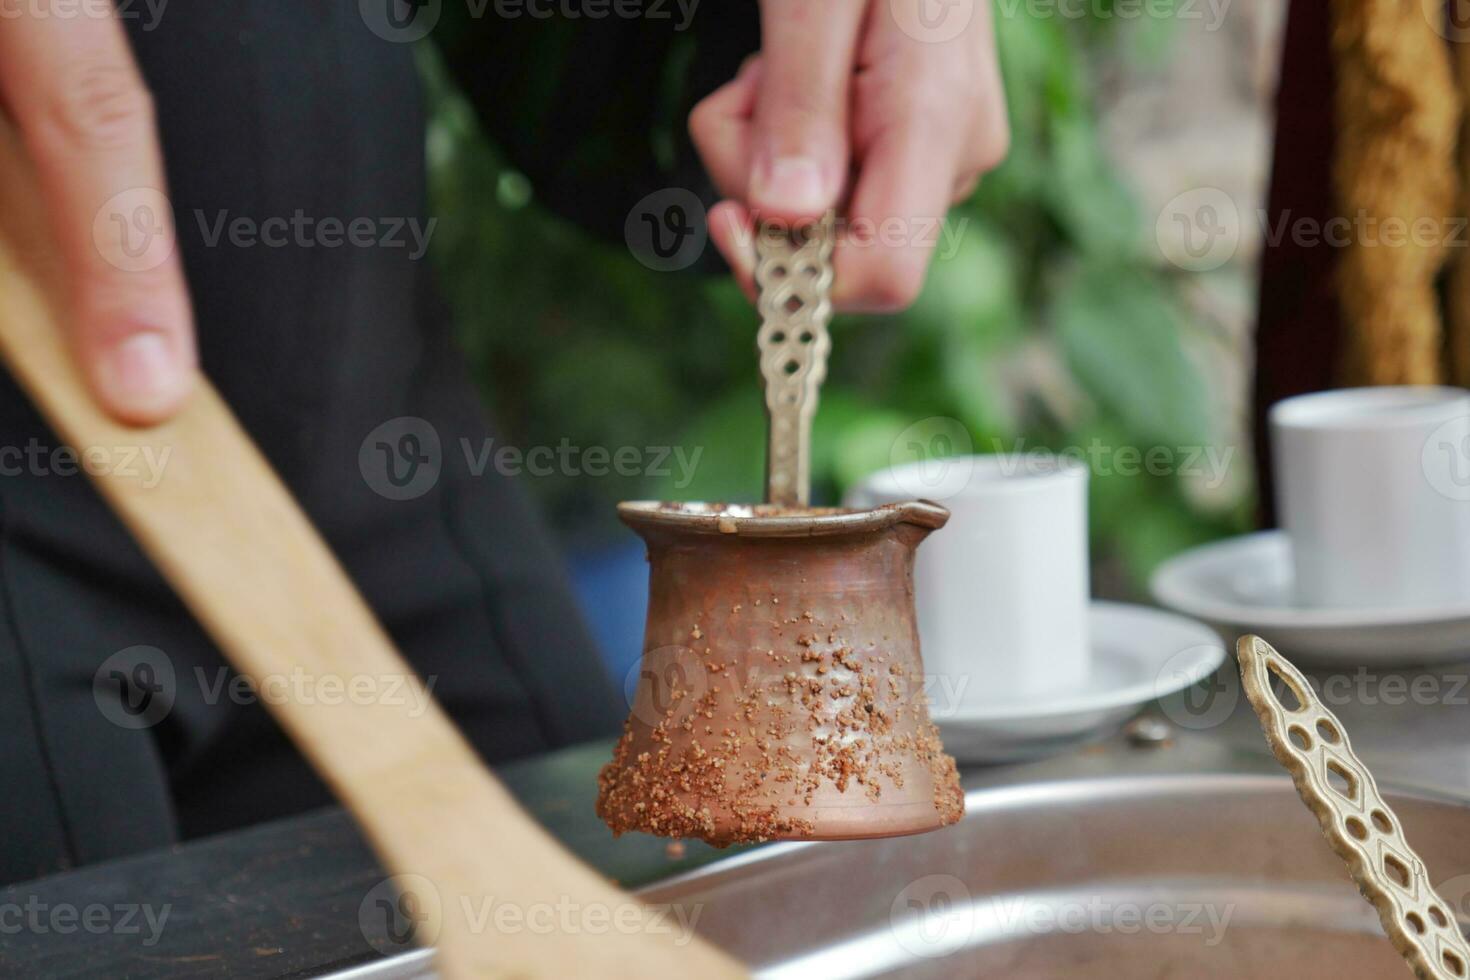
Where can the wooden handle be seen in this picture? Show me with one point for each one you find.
(226, 533)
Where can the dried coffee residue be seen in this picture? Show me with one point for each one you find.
(739, 760)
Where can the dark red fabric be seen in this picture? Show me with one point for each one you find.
(1298, 333)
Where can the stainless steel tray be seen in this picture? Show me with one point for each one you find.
(1157, 876)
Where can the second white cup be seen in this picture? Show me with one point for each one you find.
(1003, 590)
(1373, 489)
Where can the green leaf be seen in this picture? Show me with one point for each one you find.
(1120, 331)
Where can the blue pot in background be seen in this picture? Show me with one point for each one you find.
(611, 585)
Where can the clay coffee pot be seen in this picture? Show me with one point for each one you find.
(781, 693)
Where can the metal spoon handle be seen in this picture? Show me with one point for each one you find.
(793, 273)
(1333, 782)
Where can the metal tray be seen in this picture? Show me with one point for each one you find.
(1156, 876)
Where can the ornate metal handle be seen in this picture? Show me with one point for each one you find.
(1311, 744)
(793, 272)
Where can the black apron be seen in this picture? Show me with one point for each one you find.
(294, 111)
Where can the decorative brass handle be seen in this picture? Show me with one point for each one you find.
(1312, 745)
(793, 273)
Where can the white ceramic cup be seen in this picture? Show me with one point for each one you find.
(1373, 490)
(1002, 590)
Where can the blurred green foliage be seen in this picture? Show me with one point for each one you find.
(1051, 325)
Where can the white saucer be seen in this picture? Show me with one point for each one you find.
(1244, 585)
(1139, 654)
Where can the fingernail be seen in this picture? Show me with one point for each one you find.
(141, 372)
(793, 184)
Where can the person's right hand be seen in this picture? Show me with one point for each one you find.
(85, 117)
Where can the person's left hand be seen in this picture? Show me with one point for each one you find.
(856, 104)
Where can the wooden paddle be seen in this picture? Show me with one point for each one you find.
(230, 539)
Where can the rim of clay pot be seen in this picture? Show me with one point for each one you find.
(776, 520)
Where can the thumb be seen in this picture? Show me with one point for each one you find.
(800, 145)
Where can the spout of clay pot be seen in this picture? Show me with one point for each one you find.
(924, 513)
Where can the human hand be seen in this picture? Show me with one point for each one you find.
(855, 104)
(72, 88)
